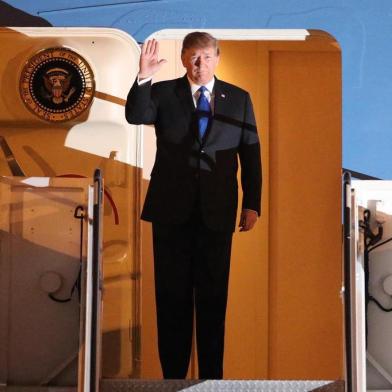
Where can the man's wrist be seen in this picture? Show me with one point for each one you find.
(142, 80)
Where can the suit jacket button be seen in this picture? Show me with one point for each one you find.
(202, 152)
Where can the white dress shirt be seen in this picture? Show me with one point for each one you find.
(208, 93)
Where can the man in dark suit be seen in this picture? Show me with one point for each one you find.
(202, 125)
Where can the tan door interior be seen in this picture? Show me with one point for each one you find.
(284, 317)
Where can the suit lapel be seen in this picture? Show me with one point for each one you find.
(183, 91)
(220, 97)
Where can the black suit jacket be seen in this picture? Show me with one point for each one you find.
(189, 170)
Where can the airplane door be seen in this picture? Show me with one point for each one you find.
(62, 116)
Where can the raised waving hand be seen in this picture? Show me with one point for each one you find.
(149, 63)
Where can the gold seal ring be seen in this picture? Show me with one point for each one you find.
(57, 84)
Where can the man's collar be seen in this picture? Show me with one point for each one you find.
(195, 87)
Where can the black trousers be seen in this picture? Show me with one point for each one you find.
(191, 264)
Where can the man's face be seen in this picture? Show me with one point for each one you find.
(200, 63)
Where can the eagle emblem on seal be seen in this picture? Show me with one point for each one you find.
(57, 82)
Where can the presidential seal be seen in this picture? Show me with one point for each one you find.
(57, 84)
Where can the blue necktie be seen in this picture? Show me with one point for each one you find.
(203, 109)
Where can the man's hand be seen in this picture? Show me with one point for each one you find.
(149, 63)
(248, 219)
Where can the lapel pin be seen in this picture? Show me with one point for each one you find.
(223, 95)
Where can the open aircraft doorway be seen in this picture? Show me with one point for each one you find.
(287, 271)
(284, 318)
